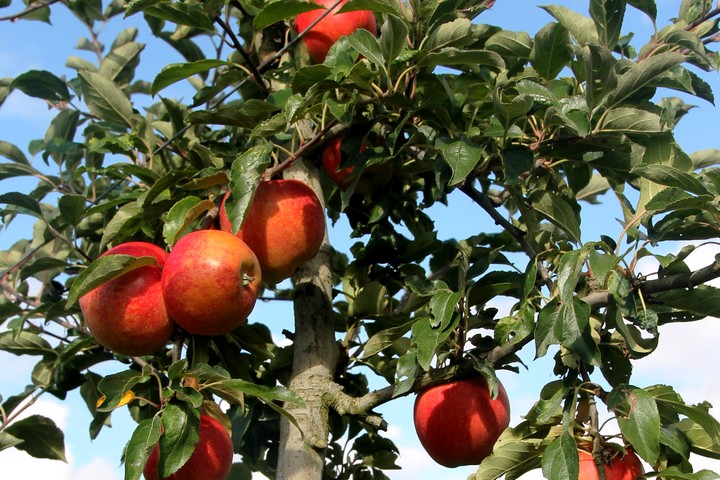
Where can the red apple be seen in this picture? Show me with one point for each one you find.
(458, 423)
(284, 226)
(210, 282)
(331, 28)
(127, 314)
(617, 467)
(211, 459)
(331, 159)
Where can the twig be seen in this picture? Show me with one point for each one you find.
(29, 9)
(235, 42)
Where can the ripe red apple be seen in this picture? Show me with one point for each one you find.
(373, 177)
(333, 26)
(618, 467)
(210, 282)
(458, 423)
(127, 314)
(284, 226)
(211, 459)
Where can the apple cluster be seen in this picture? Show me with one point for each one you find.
(209, 282)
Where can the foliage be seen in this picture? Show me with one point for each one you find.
(530, 127)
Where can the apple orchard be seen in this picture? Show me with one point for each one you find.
(160, 223)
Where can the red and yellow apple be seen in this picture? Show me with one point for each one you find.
(211, 459)
(331, 28)
(127, 314)
(458, 422)
(210, 282)
(617, 467)
(284, 226)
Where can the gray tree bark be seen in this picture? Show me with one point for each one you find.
(302, 451)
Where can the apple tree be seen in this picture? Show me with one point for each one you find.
(434, 105)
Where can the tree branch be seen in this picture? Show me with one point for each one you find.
(29, 9)
(235, 42)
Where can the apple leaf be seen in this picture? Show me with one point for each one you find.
(367, 45)
(25, 203)
(674, 473)
(41, 438)
(179, 71)
(551, 51)
(560, 459)
(393, 37)
(182, 215)
(462, 156)
(24, 343)
(638, 418)
(102, 270)
(114, 388)
(141, 444)
(105, 99)
(72, 208)
(42, 84)
(558, 211)
(13, 153)
(274, 12)
(8, 441)
(641, 74)
(180, 424)
(384, 338)
(245, 176)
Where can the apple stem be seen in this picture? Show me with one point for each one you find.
(247, 279)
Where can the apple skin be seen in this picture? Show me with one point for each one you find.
(331, 28)
(127, 314)
(284, 226)
(458, 423)
(211, 459)
(210, 282)
(331, 159)
(627, 467)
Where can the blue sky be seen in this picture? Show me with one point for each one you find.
(33, 45)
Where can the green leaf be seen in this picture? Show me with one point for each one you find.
(42, 84)
(393, 37)
(26, 203)
(384, 338)
(367, 45)
(120, 63)
(182, 215)
(24, 343)
(105, 99)
(638, 418)
(453, 57)
(245, 175)
(581, 28)
(191, 15)
(566, 324)
(702, 300)
(560, 459)
(646, 6)
(103, 270)
(461, 154)
(141, 444)
(234, 389)
(114, 387)
(551, 50)
(378, 6)
(41, 438)
(175, 72)
(558, 211)
(671, 176)
(516, 160)
(456, 33)
(8, 441)
(608, 17)
(135, 6)
(122, 218)
(274, 12)
(642, 74)
(600, 74)
(631, 120)
(72, 208)
(13, 153)
(179, 437)
(674, 473)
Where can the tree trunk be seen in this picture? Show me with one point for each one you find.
(302, 451)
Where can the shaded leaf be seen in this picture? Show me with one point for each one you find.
(175, 72)
(105, 99)
(41, 438)
(42, 84)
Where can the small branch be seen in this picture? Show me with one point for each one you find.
(235, 42)
(332, 129)
(30, 8)
(360, 407)
(486, 204)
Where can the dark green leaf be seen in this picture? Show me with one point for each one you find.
(141, 444)
(103, 270)
(105, 99)
(456, 33)
(393, 37)
(646, 6)
(385, 338)
(72, 208)
(608, 17)
(24, 343)
(191, 15)
(672, 177)
(26, 203)
(41, 438)
(638, 418)
(453, 57)
(631, 120)
(560, 459)
(274, 12)
(13, 153)
(551, 50)
(641, 74)
(114, 387)
(558, 211)
(461, 154)
(175, 72)
(245, 175)
(580, 27)
(42, 84)
(367, 45)
(182, 215)
(179, 437)
(600, 75)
